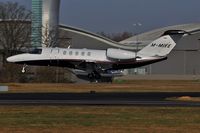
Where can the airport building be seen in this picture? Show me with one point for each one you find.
(36, 36)
(183, 60)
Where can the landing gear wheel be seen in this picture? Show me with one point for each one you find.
(24, 68)
(94, 77)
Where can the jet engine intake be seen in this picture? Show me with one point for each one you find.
(120, 54)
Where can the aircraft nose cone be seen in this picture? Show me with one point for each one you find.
(11, 59)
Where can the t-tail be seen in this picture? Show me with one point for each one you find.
(163, 45)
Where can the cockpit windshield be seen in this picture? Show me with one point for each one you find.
(35, 51)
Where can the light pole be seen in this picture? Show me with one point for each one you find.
(136, 28)
(136, 25)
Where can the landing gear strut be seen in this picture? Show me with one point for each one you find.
(24, 68)
(94, 76)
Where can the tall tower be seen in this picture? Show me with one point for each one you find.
(45, 21)
(36, 35)
(50, 22)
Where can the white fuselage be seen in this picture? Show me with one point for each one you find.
(84, 59)
(62, 54)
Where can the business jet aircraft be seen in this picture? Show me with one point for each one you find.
(98, 62)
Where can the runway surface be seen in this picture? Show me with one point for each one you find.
(93, 98)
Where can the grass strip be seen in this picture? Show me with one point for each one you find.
(99, 119)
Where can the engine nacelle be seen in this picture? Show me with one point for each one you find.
(120, 54)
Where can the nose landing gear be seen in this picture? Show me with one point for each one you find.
(24, 68)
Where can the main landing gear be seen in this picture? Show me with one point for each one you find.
(94, 77)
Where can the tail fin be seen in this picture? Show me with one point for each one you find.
(163, 45)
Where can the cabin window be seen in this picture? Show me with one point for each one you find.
(77, 53)
(64, 52)
(70, 52)
(89, 53)
(83, 53)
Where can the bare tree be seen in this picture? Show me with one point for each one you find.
(121, 36)
(15, 29)
(49, 36)
(53, 37)
(116, 36)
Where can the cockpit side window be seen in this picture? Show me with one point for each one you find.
(35, 51)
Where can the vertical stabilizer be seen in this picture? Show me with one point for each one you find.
(163, 45)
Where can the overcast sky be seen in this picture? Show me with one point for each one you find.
(119, 15)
